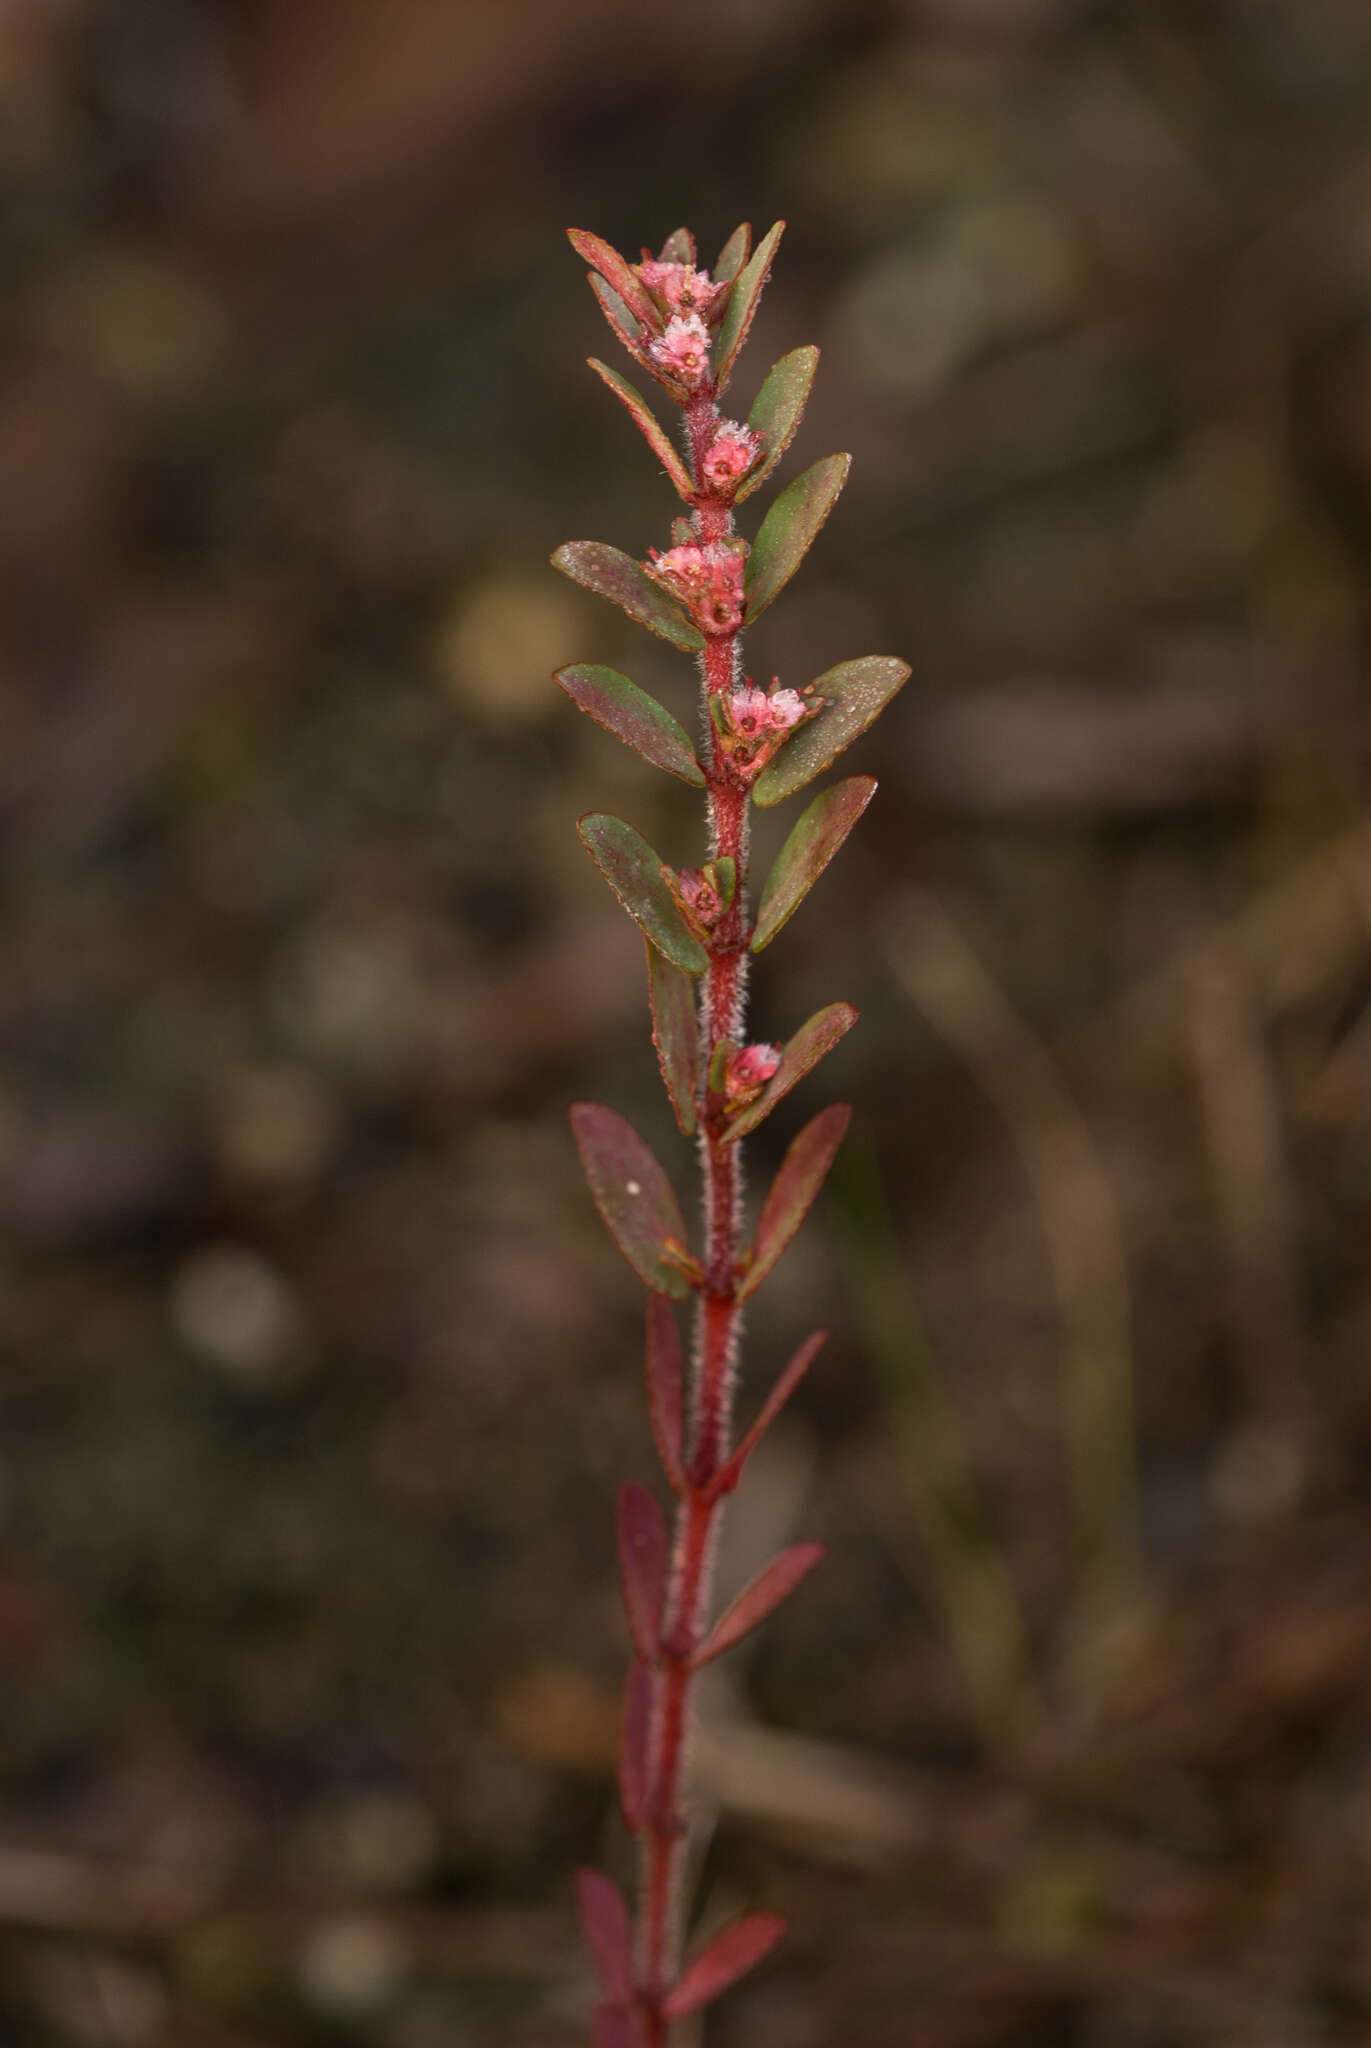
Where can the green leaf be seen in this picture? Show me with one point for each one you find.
(654, 433)
(798, 1181)
(633, 717)
(733, 255)
(790, 529)
(620, 319)
(679, 247)
(634, 873)
(682, 532)
(618, 274)
(610, 573)
(813, 1039)
(633, 1195)
(819, 831)
(675, 1033)
(742, 304)
(778, 409)
(856, 692)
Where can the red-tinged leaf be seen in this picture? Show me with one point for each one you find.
(618, 274)
(633, 1195)
(679, 247)
(620, 319)
(742, 304)
(675, 1033)
(790, 529)
(727, 1958)
(817, 834)
(635, 1749)
(608, 1932)
(733, 255)
(633, 717)
(634, 873)
(779, 408)
(610, 573)
(798, 1181)
(728, 1475)
(616, 2026)
(649, 425)
(643, 1546)
(773, 1584)
(813, 1039)
(682, 532)
(664, 1387)
(855, 694)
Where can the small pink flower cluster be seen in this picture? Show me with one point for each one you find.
(731, 454)
(698, 896)
(748, 1073)
(680, 288)
(708, 580)
(753, 723)
(683, 350)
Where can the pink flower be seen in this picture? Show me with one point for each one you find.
(699, 898)
(753, 723)
(683, 351)
(707, 580)
(731, 454)
(680, 288)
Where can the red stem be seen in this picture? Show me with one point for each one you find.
(685, 1620)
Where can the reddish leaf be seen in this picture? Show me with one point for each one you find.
(728, 1475)
(664, 1387)
(618, 275)
(813, 1039)
(727, 1958)
(733, 255)
(817, 834)
(643, 1548)
(608, 1932)
(633, 1195)
(800, 1177)
(791, 526)
(742, 305)
(620, 319)
(634, 873)
(855, 693)
(779, 408)
(770, 1587)
(610, 573)
(652, 430)
(616, 2026)
(633, 717)
(679, 247)
(675, 1033)
(635, 1744)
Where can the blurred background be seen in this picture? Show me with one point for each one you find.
(320, 1371)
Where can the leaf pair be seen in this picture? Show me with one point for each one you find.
(609, 1937)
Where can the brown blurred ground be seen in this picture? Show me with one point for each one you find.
(318, 1372)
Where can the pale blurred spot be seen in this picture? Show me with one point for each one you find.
(236, 1311)
(276, 1127)
(498, 645)
(352, 1965)
(353, 995)
(555, 1714)
(145, 323)
(381, 1840)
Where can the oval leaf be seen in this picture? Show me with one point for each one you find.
(819, 831)
(635, 1749)
(664, 1387)
(855, 694)
(608, 1932)
(647, 421)
(642, 1566)
(790, 529)
(798, 1181)
(618, 274)
(679, 247)
(728, 1475)
(774, 1583)
(633, 717)
(633, 1195)
(634, 873)
(733, 255)
(675, 1033)
(742, 305)
(610, 573)
(620, 319)
(727, 1958)
(813, 1039)
(779, 408)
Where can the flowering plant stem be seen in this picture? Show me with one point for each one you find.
(685, 328)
